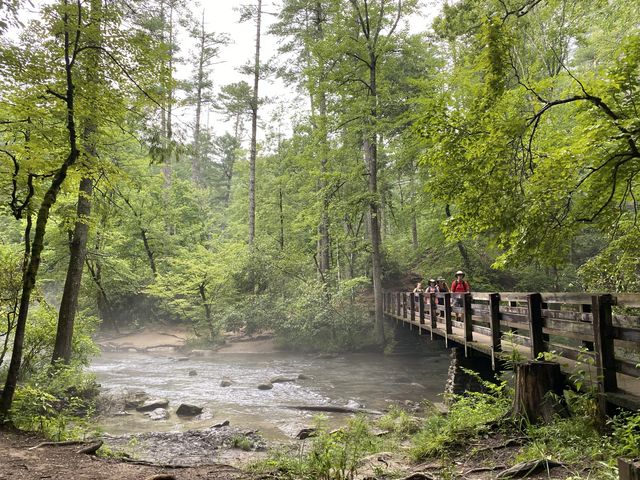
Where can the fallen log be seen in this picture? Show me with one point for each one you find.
(525, 469)
(66, 443)
(92, 448)
(332, 409)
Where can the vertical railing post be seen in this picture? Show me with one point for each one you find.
(412, 303)
(397, 294)
(534, 313)
(404, 305)
(433, 313)
(467, 321)
(421, 306)
(448, 327)
(494, 322)
(603, 343)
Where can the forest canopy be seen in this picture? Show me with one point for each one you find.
(501, 138)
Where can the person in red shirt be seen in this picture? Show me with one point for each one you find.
(459, 287)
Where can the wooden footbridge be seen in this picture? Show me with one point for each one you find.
(599, 334)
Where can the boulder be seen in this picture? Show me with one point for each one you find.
(221, 424)
(150, 405)
(226, 382)
(134, 398)
(193, 373)
(188, 410)
(265, 386)
(158, 414)
(302, 376)
(182, 359)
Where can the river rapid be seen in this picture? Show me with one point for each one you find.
(367, 381)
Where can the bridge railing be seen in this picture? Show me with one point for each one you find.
(602, 329)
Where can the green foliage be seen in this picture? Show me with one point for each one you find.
(399, 422)
(626, 434)
(58, 402)
(330, 455)
(470, 415)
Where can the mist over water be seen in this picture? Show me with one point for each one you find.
(368, 381)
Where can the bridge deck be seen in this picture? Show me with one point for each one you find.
(471, 334)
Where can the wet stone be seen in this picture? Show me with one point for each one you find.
(150, 405)
(158, 414)
(226, 382)
(283, 379)
(133, 399)
(265, 386)
(193, 373)
(188, 410)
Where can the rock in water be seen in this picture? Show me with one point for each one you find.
(187, 410)
(150, 405)
(306, 433)
(282, 379)
(158, 414)
(265, 386)
(134, 398)
(193, 373)
(226, 382)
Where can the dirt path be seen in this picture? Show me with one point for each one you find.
(19, 462)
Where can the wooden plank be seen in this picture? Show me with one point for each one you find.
(627, 367)
(513, 296)
(584, 317)
(481, 296)
(524, 311)
(576, 298)
(631, 300)
(626, 334)
(494, 321)
(605, 354)
(534, 302)
(519, 320)
(579, 330)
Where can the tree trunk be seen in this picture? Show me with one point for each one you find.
(149, 252)
(254, 131)
(196, 161)
(78, 246)
(466, 263)
(78, 252)
(49, 199)
(539, 392)
(324, 242)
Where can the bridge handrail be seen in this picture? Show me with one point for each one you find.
(568, 323)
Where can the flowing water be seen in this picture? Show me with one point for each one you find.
(370, 381)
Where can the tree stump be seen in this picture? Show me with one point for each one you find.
(629, 469)
(539, 392)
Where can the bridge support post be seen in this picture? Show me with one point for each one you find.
(534, 312)
(397, 294)
(421, 307)
(496, 336)
(605, 355)
(468, 325)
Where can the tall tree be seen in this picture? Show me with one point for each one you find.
(67, 21)
(78, 239)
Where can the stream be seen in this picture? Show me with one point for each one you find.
(368, 381)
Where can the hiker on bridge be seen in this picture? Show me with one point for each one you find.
(459, 287)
